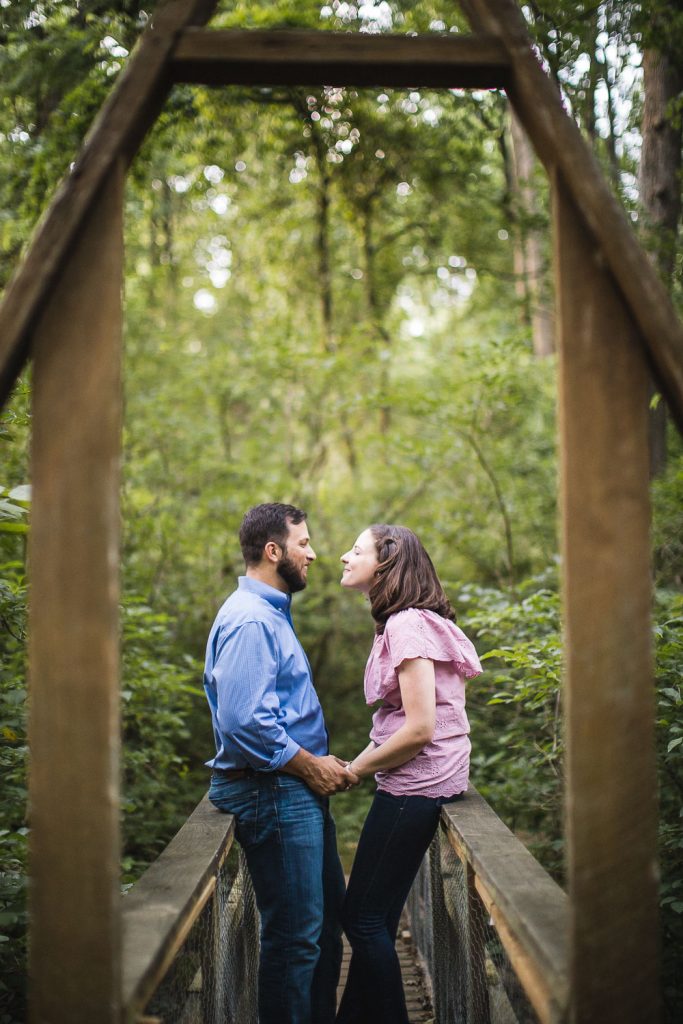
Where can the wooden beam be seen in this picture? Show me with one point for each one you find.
(160, 909)
(117, 132)
(609, 705)
(559, 143)
(339, 58)
(529, 908)
(74, 943)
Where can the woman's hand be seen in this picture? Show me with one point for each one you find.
(418, 695)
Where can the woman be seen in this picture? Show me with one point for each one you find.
(419, 753)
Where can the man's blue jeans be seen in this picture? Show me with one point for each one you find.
(395, 837)
(289, 840)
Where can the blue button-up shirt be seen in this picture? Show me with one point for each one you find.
(258, 683)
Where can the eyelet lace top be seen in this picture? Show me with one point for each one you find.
(441, 768)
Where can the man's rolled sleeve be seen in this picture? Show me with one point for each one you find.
(245, 674)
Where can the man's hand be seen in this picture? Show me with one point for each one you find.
(324, 775)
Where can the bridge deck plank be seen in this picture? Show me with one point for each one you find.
(418, 1001)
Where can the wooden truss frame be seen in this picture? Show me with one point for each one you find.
(615, 324)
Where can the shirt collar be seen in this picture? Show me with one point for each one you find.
(271, 594)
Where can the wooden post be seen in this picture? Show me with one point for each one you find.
(74, 960)
(611, 784)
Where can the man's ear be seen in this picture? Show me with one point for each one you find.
(272, 552)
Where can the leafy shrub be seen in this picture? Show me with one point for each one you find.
(159, 788)
(13, 755)
(515, 708)
(669, 649)
(159, 698)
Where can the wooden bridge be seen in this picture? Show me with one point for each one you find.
(589, 958)
(488, 929)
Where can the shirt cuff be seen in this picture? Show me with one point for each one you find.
(291, 749)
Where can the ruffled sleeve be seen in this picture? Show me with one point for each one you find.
(415, 633)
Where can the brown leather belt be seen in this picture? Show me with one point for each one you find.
(235, 773)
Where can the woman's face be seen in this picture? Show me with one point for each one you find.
(360, 564)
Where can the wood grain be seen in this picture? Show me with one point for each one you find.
(339, 58)
(530, 909)
(161, 908)
(73, 636)
(611, 787)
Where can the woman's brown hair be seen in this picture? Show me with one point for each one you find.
(405, 576)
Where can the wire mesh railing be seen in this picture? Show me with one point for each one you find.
(191, 931)
(489, 924)
(212, 979)
(487, 920)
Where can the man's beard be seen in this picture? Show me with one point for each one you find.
(291, 574)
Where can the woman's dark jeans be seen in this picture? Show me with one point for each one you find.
(395, 837)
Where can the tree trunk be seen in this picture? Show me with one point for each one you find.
(660, 192)
(325, 273)
(375, 311)
(593, 79)
(528, 253)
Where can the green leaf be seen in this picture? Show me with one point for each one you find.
(674, 743)
(8, 508)
(22, 493)
(13, 527)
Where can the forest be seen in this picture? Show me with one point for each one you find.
(341, 298)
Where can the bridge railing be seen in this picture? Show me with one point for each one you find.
(490, 924)
(190, 931)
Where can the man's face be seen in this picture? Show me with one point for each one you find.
(297, 555)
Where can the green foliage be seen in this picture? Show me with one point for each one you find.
(13, 752)
(667, 520)
(515, 709)
(518, 750)
(159, 693)
(58, 60)
(669, 650)
(159, 696)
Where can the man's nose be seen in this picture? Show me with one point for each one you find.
(311, 555)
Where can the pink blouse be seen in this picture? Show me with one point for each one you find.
(441, 768)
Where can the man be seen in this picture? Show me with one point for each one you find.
(272, 769)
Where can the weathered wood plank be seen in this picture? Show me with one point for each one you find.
(74, 699)
(529, 908)
(160, 909)
(117, 132)
(609, 704)
(559, 143)
(338, 58)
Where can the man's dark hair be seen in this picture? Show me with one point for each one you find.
(267, 522)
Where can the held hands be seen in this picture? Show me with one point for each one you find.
(324, 775)
(329, 774)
